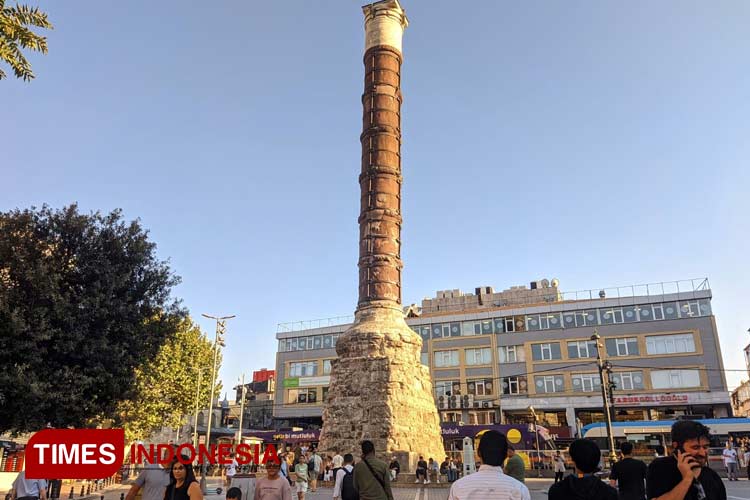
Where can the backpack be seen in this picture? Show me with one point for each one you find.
(347, 486)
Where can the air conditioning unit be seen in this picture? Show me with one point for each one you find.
(467, 401)
(486, 404)
(477, 404)
(455, 402)
(442, 403)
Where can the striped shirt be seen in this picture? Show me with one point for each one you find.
(489, 482)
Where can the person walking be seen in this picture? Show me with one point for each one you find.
(28, 489)
(490, 482)
(300, 470)
(729, 456)
(629, 475)
(274, 486)
(153, 480)
(514, 465)
(583, 485)
(343, 489)
(559, 466)
(315, 464)
(231, 470)
(371, 477)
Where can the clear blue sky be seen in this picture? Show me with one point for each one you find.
(600, 143)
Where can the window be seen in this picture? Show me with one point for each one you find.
(514, 385)
(586, 382)
(425, 358)
(451, 416)
(628, 381)
(651, 312)
(317, 342)
(511, 354)
(424, 332)
(705, 307)
(295, 396)
(549, 383)
(303, 369)
(294, 344)
(670, 344)
(690, 309)
(326, 366)
(334, 339)
(543, 321)
(476, 327)
(610, 316)
(675, 379)
(630, 314)
(446, 358)
(445, 387)
(481, 356)
(509, 324)
(325, 394)
(545, 352)
(622, 347)
(327, 341)
(582, 349)
(481, 417)
(446, 330)
(479, 387)
(576, 319)
(499, 325)
(670, 310)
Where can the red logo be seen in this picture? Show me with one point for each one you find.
(74, 453)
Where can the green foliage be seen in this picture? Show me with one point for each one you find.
(15, 35)
(166, 385)
(83, 303)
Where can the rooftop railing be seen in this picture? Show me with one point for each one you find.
(534, 297)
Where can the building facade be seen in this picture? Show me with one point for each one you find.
(741, 395)
(492, 356)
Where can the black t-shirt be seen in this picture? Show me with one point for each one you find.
(631, 478)
(663, 476)
(421, 464)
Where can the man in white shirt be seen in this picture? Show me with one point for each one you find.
(730, 461)
(490, 481)
(348, 468)
(28, 489)
(338, 460)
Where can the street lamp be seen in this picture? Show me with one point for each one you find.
(610, 435)
(218, 341)
(536, 435)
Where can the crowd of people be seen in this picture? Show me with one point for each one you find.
(683, 474)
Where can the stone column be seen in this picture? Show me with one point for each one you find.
(379, 389)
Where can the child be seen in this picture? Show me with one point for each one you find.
(301, 471)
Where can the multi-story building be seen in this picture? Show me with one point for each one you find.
(741, 395)
(494, 355)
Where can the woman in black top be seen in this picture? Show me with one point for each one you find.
(182, 483)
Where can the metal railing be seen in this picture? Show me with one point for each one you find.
(295, 326)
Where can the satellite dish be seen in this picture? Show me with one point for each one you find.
(545, 283)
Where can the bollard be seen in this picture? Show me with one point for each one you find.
(71, 493)
(101, 497)
(82, 490)
(122, 496)
(88, 490)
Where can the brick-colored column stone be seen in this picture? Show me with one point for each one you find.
(379, 389)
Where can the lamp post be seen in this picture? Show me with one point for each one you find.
(218, 341)
(605, 400)
(197, 402)
(536, 435)
(243, 391)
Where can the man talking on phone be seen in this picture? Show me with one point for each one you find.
(684, 474)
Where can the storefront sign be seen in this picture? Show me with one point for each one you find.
(291, 382)
(314, 381)
(651, 399)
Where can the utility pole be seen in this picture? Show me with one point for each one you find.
(218, 341)
(536, 435)
(605, 400)
(243, 391)
(197, 408)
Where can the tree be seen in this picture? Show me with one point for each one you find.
(83, 302)
(166, 385)
(14, 31)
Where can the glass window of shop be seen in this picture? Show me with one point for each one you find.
(581, 349)
(549, 383)
(622, 346)
(511, 354)
(628, 381)
(670, 344)
(482, 356)
(446, 358)
(514, 385)
(546, 352)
